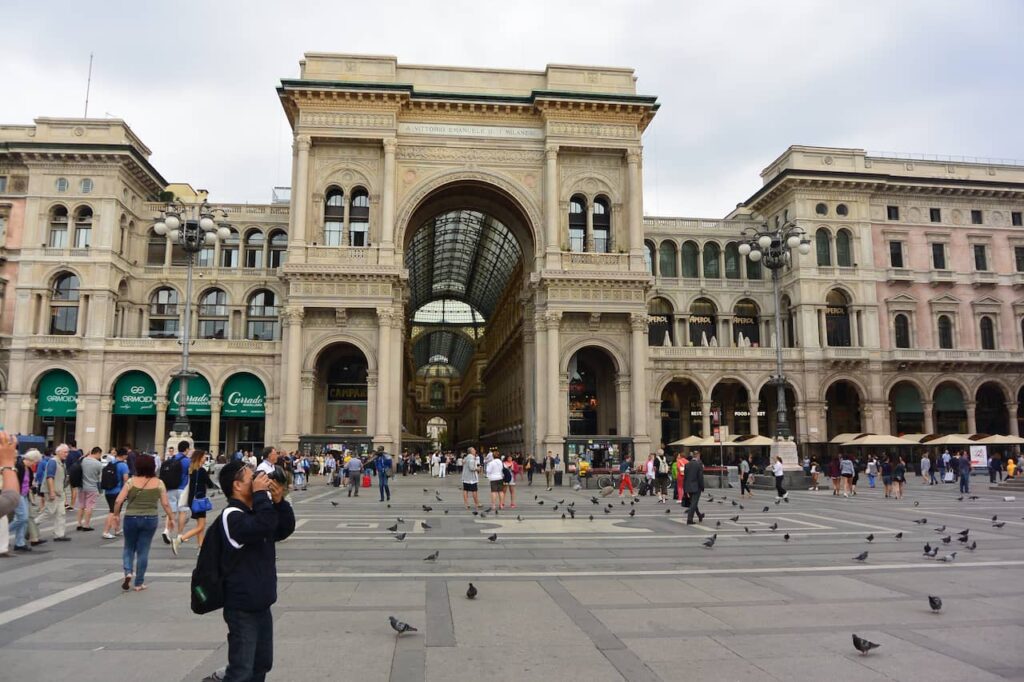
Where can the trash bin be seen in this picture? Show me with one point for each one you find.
(558, 478)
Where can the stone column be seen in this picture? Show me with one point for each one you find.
(307, 382)
(293, 316)
(755, 406)
(554, 428)
(705, 418)
(929, 416)
(103, 425)
(529, 390)
(382, 435)
(1011, 409)
(588, 237)
(635, 194)
(822, 329)
(215, 405)
(551, 198)
(622, 396)
(387, 203)
(972, 424)
(23, 314)
(371, 402)
(397, 388)
(540, 382)
(160, 431)
(301, 191)
(638, 378)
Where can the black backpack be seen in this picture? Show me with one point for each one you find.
(108, 477)
(75, 474)
(170, 472)
(207, 588)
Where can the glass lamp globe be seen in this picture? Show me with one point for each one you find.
(793, 241)
(172, 221)
(160, 228)
(206, 223)
(764, 241)
(210, 238)
(805, 247)
(744, 249)
(755, 256)
(174, 236)
(224, 233)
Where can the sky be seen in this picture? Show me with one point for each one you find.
(738, 82)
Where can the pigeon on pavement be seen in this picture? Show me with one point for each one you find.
(493, 537)
(935, 603)
(935, 551)
(710, 542)
(425, 526)
(973, 546)
(471, 592)
(862, 645)
(393, 528)
(400, 519)
(941, 529)
(734, 519)
(786, 537)
(432, 557)
(333, 503)
(899, 536)
(400, 537)
(921, 522)
(437, 496)
(870, 538)
(774, 526)
(400, 627)
(917, 503)
(995, 517)
(765, 509)
(863, 556)
(927, 547)
(999, 524)
(427, 509)
(948, 539)
(632, 512)
(949, 558)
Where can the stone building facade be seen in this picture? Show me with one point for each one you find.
(466, 250)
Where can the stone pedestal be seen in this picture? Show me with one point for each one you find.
(786, 449)
(174, 438)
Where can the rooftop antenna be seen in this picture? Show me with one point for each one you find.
(88, 85)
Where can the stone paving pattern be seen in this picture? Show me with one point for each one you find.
(610, 599)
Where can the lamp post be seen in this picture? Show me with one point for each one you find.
(773, 248)
(193, 227)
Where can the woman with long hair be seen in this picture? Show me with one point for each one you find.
(142, 493)
(198, 503)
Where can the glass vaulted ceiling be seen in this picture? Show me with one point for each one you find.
(460, 263)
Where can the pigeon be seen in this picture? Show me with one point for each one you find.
(563, 516)
(786, 537)
(393, 528)
(427, 509)
(973, 546)
(668, 511)
(917, 503)
(432, 557)
(594, 500)
(555, 508)
(966, 531)
(946, 540)
(591, 517)
(746, 530)
(333, 503)
(622, 503)
(927, 547)
(471, 592)
(741, 507)
(935, 551)
(1000, 524)
(483, 515)
(863, 556)
(870, 537)
(949, 558)
(921, 522)
(935, 603)
(963, 539)
(400, 627)
(710, 542)
(720, 501)
(437, 496)
(562, 501)
(476, 513)
(941, 529)
(973, 497)
(425, 491)
(400, 519)
(632, 512)
(493, 537)
(734, 519)
(734, 503)
(425, 526)
(541, 502)
(572, 512)
(519, 517)
(960, 499)
(718, 524)
(774, 526)
(995, 517)
(389, 505)
(778, 502)
(445, 511)
(536, 496)
(607, 511)
(899, 536)
(400, 537)
(862, 645)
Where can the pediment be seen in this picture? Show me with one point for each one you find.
(987, 301)
(945, 299)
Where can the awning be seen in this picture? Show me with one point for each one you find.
(880, 439)
(243, 396)
(997, 439)
(843, 438)
(135, 394)
(949, 439)
(198, 402)
(58, 395)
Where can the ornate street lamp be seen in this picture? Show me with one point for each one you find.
(193, 227)
(773, 248)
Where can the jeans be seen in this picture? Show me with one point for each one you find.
(965, 483)
(138, 536)
(932, 480)
(871, 480)
(20, 523)
(382, 481)
(250, 645)
(300, 479)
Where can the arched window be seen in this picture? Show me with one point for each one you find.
(83, 227)
(262, 322)
(732, 261)
(86, 185)
(58, 238)
(945, 332)
(649, 257)
(254, 249)
(213, 315)
(702, 323)
(667, 259)
(163, 313)
(660, 323)
(837, 319)
(334, 217)
(712, 270)
(577, 224)
(691, 257)
(901, 327)
(359, 218)
(229, 250)
(602, 225)
(823, 246)
(64, 305)
(844, 249)
(746, 322)
(156, 248)
(988, 333)
(278, 248)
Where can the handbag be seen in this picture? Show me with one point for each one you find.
(201, 504)
(948, 477)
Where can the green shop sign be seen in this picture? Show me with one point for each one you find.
(58, 395)
(243, 396)
(135, 393)
(198, 401)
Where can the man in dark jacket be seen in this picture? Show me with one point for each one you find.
(257, 516)
(693, 485)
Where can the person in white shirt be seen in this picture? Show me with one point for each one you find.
(442, 466)
(269, 460)
(779, 476)
(496, 475)
(471, 478)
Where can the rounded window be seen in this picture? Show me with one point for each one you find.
(62, 184)
(842, 209)
(85, 185)
(821, 209)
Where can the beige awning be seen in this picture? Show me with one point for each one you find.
(845, 437)
(751, 441)
(915, 437)
(880, 439)
(997, 439)
(949, 439)
(689, 441)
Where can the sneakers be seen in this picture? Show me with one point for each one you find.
(108, 536)
(846, 495)
(175, 544)
(166, 536)
(86, 529)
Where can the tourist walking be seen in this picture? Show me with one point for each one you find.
(354, 475)
(927, 476)
(744, 467)
(872, 470)
(693, 486)
(549, 468)
(471, 478)
(846, 472)
(528, 466)
(964, 467)
(834, 474)
(52, 477)
(496, 476)
(89, 488)
(780, 475)
(662, 471)
(899, 478)
(815, 474)
(383, 466)
(509, 476)
(625, 468)
(887, 475)
(140, 496)
(174, 474)
(112, 527)
(199, 503)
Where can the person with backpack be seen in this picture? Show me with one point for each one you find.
(661, 474)
(115, 475)
(89, 471)
(74, 477)
(51, 478)
(383, 466)
(140, 497)
(174, 475)
(237, 568)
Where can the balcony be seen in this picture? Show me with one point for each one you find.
(983, 279)
(587, 262)
(918, 355)
(54, 343)
(722, 353)
(56, 253)
(1018, 280)
(198, 345)
(936, 277)
(894, 275)
(342, 255)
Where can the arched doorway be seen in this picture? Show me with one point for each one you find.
(732, 401)
(746, 325)
(681, 411)
(950, 411)
(56, 407)
(703, 323)
(837, 320)
(842, 402)
(243, 413)
(437, 432)
(660, 323)
(341, 399)
(133, 416)
(906, 411)
(593, 425)
(990, 414)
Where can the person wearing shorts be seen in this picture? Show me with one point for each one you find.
(846, 470)
(92, 469)
(471, 478)
(495, 474)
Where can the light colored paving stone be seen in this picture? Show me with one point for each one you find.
(681, 650)
(507, 659)
(831, 587)
(656, 620)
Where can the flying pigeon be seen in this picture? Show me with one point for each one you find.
(862, 645)
(471, 592)
(949, 558)
(432, 557)
(899, 536)
(710, 542)
(425, 526)
(400, 627)
(400, 537)
(863, 556)
(935, 603)
(393, 528)
(493, 537)
(870, 538)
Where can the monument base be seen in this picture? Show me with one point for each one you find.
(786, 449)
(174, 438)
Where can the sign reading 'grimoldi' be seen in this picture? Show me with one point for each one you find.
(58, 395)
(135, 393)
(460, 130)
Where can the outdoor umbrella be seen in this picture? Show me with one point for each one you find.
(916, 437)
(950, 439)
(750, 442)
(844, 438)
(689, 441)
(1000, 440)
(880, 439)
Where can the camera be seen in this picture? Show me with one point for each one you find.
(277, 475)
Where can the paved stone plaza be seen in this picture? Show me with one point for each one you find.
(610, 599)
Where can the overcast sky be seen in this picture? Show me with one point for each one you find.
(738, 81)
